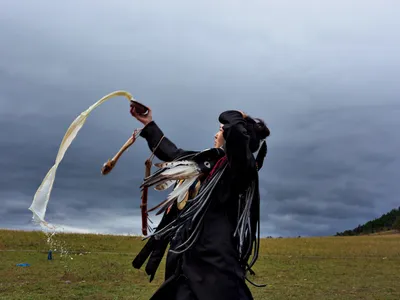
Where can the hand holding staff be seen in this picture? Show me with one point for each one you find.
(143, 114)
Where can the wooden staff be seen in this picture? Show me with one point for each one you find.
(143, 204)
(110, 164)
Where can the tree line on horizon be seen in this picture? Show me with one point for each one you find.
(388, 221)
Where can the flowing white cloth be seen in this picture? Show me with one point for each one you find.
(42, 195)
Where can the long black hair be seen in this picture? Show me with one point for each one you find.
(258, 132)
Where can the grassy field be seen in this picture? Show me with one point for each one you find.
(99, 267)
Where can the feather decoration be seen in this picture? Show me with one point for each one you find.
(157, 206)
(192, 212)
(179, 193)
(169, 165)
(195, 214)
(182, 200)
(165, 185)
(172, 171)
(185, 172)
(182, 189)
(200, 164)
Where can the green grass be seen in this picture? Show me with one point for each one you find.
(99, 267)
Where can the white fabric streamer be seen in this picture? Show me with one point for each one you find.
(42, 195)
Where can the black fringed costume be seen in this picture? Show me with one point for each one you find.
(214, 239)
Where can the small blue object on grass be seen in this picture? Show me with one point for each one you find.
(50, 255)
(23, 265)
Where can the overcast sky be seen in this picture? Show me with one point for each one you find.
(323, 74)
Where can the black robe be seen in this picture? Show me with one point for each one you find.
(211, 269)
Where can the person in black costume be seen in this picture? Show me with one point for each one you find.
(215, 266)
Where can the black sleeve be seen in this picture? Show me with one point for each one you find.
(166, 151)
(240, 158)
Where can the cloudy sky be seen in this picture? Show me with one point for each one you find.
(323, 74)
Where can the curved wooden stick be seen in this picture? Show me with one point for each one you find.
(110, 164)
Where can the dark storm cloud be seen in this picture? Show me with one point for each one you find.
(341, 172)
(324, 79)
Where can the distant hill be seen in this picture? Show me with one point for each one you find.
(387, 222)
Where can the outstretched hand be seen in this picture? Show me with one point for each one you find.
(144, 119)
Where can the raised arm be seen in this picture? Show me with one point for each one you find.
(240, 158)
(164, 149)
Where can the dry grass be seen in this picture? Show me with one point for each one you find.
(365, 267)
